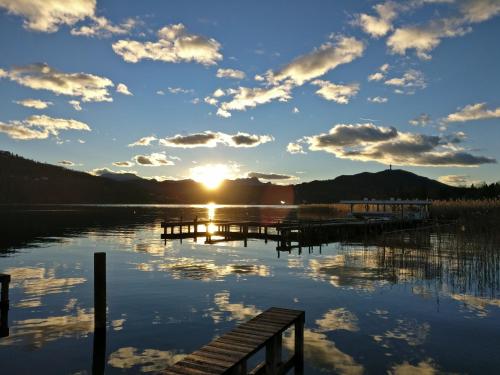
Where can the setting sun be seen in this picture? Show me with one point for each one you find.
(211, 175)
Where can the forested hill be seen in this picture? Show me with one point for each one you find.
(27, 181)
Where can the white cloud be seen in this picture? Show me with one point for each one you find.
(369, 142)
(123, 89)
(422, 120)
(75, 104)
(91, 88)
(337, 93)
(222, 113)
(155, 159)
(101, 27)
(412, 79)
(160, 92)
(34, 103)
(218, 93)
(210, 100)
(47, 16)
(230, 73)
(295, 110)
(295, 148)
(380, 25)
(315, 64)
(212, 139)
(174, 45)
(40, 127)
(376, 77)
(145, 141)
(473, 112)
(179, 90)
(378, 99)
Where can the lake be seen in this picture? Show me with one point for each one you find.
(425, 304)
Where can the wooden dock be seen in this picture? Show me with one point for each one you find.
(288, 234)
(229, 353)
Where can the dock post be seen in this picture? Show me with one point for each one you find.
(4, 305)
(273, 354)
(299, 345)
(180, 226)
(100, 290)
(195, 228)
(5, 281)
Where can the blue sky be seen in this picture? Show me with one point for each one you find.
(289, 91)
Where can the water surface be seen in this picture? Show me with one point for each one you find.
(428, 303)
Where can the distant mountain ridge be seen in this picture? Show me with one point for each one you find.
(24, 181)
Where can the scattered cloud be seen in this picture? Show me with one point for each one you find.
(34, 103)
(123, 89)
(75, 104)
(369, 142)
(212, 139)
(101, 27)
(149, 360)
(423, 119)
(295, 110)
(378, 99)
(412, 79)
(103, 171)
(47, 16)
(295, 148)
(123, 164)
(230, 73)
(473, 112)
(40, 127)
(144, 141)
(380, 75)
(320, 61)
(40, 76)
(156, 159)
(379, 25)
(174, 45)
(337, 93)
(218, 93)
(270, 176)
(210, 100)
(67, 163)
(179, 90)
(457, 180)
(160, 92)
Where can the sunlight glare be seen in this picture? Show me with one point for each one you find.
(211, 175)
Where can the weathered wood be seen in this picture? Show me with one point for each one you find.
(4, 297)
(229, 354)
(100, 290)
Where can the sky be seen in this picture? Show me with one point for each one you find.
(287, 91)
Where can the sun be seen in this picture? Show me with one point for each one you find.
(211, 175)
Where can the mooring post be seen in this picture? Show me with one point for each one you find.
(299, 345)
(100, 290)
(5, 281)
(195, 229)
(273, 354)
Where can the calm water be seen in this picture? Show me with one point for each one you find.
(426, 305)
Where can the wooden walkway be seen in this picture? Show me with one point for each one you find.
(229, 354)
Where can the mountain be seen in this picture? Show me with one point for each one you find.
(26, 181)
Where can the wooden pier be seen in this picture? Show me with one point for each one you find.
(288, 234)
(229, 353)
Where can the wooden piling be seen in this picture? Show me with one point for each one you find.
(5, 281)
(100, 290)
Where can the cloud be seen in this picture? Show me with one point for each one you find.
(91, 88)
(212, 139)
(66, 163)
(123, 164)
(480, 10)
(40, 127)
(174, 45)
(149, 360)
(160, 92)
(473, 112)
(245, 97)
(295, 148)
(230, 73)
(379, 25)
(210, 100)
(386, 145)
(75, 104)
(156, 159)
(315, 64)
(376, 77)
(34, 103)
(101, 27)
(378, 99)
(411, 79)
(270, 176)
(337, 93)
(179, 90)
(47, 16)
(218, 93)
(123, 89)
(145, 141)
(457, 180)
(295, 110)
(421, 120)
